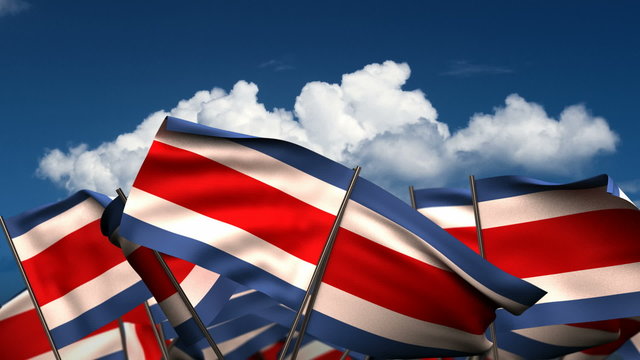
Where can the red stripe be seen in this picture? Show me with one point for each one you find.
(612, 325)
(72, 261)
(23, 336)
(567, 243)
(145, 336)
(147, 266)
(403, 284)
(329, 355)
(628, 329)
(234, 198)
(358, 265)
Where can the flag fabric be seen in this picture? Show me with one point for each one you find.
(578, 241)
(80, 281)
(628, 328)
(207, 291)
(629, 350)
(552, 341)
(311, 349)
(259, 212)
(23, 337)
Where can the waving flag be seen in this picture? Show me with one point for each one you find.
(259, 212)
(206, 290)
(628, 329)
(80, 281)
(23, 336)
(629, 350)
(577, 241)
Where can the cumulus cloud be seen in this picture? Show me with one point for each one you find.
(12, 7)
(366, 119)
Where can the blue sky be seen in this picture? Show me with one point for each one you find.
(75, 73)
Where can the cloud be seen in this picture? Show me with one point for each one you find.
(12, 7)
(276, 65)
(367, 119)
(466, 69)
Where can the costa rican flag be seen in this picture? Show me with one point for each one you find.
(207, 291)
(310, 349)
(24, 338)
(80, 281)
(577, 241)
(629, 350)
(629, 328)
(259, 212)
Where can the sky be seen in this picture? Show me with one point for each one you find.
(420, 93)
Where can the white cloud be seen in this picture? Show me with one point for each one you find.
(12, 7)
(367, 119)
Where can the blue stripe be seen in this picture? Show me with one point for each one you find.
(210, 258)
(242, 305)
(215, 300)
(26, 221)
(189, 332)
(532, 349)
(573, 311)
(627, 352)
(100, 315)
(508, 186)
(237, 327)
(396, 210)
(118, 355)
(442, 197)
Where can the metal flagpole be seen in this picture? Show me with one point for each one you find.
(412, 196)
(30, 289)
(156, 334)
(345, 354)
(316, 279)
(476, 214)
(123, 338)
(182, 295)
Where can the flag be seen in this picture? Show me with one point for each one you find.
(577, 241)
(259, 212)
(80, 281)
(206, 290)
(629, 350)
(628, 329)
(22, 336)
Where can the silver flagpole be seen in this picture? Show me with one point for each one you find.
(30, 289)
(345, 354)
(316, 279)
(182, 295)
(123, 338)
(156, 334)
(476, 214)
(412, 196)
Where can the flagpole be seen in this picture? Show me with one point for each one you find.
(182, 295)
(412, 196)
(312, 291)
(345, 354)
(476, 214)
(30, 289)
(123, 338)
(156, 334)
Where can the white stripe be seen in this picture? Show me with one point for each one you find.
(312, 349)
(175, 310)
(526, 208)
(242, 293)
(590, 283)
(90, 294)
(386, 323)
(228, 238)
(198, 283)
(51, 231)
(448, 217)
(233, 344)
(135, 350)
(18, 305)
(565, 335)
(636, 342)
